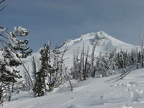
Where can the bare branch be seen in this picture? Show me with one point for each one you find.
(2, 1)
(2, 42)
(3, 6)
(1, 34)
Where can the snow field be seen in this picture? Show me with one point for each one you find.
(92, 93)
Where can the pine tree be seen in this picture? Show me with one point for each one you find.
(44, 75)
(11, 53)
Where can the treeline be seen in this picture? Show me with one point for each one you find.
(86, 65)
(52, 71)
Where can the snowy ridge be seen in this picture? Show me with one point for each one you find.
(107, 44)
(96, 36)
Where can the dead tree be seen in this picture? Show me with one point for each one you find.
(59, 64)
(93, 68)
(142, 51)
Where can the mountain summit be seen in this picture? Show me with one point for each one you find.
(104, 44)
(101, 36)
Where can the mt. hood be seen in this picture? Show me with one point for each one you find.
(104, 44)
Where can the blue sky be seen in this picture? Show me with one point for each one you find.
(59, 20)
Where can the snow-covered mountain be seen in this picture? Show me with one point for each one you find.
(106, 44)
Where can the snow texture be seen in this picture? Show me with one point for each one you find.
(92, 93)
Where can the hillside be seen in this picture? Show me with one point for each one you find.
(93, 93)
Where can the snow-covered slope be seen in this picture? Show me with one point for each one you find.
(106, 44)
(103, 92)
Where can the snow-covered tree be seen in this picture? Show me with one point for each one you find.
(11, 52)
(142, 50)
(58, 65)
(75, 70)
(93, 69)
(86, 65)
(44, 81)
(34, 70)
(82, 73)
(81, 65)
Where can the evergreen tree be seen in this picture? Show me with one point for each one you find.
(44, 75)
(12, 51)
